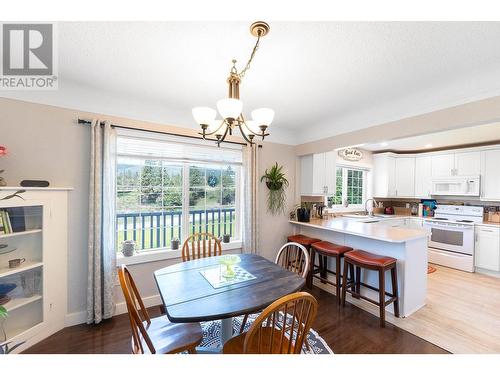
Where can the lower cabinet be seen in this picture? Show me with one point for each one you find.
(487, 249)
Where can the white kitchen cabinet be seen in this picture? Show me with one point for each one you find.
(443, 165)
(490, 175)
(423, 176)
(384, 175)
(456, 164)
(467, 163)
(318, 174)
(487, 249)
(405, 177)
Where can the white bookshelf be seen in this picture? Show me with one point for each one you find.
(17, 234)
(20, 302)
(37, 306)
(26, 266)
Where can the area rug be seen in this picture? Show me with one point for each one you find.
(211, 336)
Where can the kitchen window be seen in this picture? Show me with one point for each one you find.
(350, 187)
(169, 188)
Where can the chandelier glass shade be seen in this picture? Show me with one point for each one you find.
(231, 108)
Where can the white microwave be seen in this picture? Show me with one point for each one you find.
(456, 185)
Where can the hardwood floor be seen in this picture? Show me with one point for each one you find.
(462, 312)
(346, 330)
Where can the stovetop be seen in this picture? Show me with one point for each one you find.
(459, 214)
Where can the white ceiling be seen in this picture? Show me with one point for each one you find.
(449, 138)
(322, 78)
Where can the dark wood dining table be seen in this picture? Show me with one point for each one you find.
(189, 297)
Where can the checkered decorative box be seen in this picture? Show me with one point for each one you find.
(215, 276)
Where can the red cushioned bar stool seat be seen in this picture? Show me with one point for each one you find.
(380, 263)
(304, 240)
(326, 250)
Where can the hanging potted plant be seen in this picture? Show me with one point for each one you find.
(276, 182)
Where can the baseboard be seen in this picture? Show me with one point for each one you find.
(80, 317)
(72, 319)
(155, 300)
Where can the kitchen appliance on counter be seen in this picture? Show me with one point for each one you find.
(456, 185)
(451, 241)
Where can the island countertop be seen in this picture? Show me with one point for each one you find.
(376, 231)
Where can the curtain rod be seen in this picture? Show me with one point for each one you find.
(88, 122)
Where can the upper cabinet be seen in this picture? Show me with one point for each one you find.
(443, 165)
(423, 176)
(393, 176)
(490, 175)
(467, 163)
(405, 177)
(456, 164)
(384, 173)
(318, 174)
(411, 176)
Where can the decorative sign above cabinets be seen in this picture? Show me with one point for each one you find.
(351, 154)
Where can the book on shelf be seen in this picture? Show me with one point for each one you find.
(12, 220)
(17, 219)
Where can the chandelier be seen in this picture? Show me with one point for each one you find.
(231, 108)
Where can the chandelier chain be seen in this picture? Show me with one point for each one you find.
(247, 66)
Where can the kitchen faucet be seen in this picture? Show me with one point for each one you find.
(370, 213)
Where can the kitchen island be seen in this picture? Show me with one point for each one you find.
(378, 236)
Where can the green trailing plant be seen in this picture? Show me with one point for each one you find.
(276, 182)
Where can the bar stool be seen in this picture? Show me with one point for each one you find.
(364, 259)
(326, 249)
(305, 241)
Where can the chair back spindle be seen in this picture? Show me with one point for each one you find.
(201, 245)
(294, 257)
(138, 315)
(283, 326)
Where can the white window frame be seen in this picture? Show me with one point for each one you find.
(345, 169)
(162, 253)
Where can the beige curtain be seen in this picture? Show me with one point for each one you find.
(250, 203)
(101, 240)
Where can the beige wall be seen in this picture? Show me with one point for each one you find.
(470, 114)
(273, 230)
(45, 142)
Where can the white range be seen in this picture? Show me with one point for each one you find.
(451, 241)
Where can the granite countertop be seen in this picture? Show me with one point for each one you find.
(376, 231)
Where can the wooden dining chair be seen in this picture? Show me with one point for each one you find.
(201, 245)
(281, 328)
(157, 335)
(295, 258)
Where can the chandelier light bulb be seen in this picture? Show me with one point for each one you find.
(263, 116)
(230, 108)
(204, 115)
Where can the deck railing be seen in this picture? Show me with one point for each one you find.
(156, 229)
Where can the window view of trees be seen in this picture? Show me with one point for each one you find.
(149, 200)
(349, 187)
